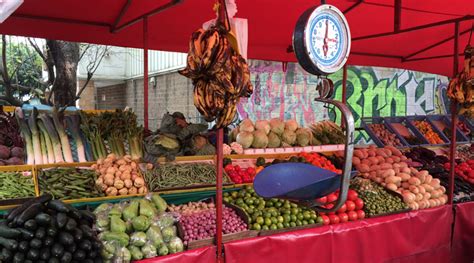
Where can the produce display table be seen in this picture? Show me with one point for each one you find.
(204, 254)
(463, 237)
(419, 236)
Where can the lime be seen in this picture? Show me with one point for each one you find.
(267, 215)
(239, 201)
(242, 193)
(274, 200)
(268, 221)
(287, 211)
(250, 210)
(286, 205)
(226, 194)
(273, 227)
(265, 227)
(278, 204)
(269, 203)
(286, 224)
(249, 201)
(292, 224)
(314, 216)
(280, 219)
(319, 220)
(298, 223)
(300, 217)
(258, 212)
(275, 213)
(280, 226)
(311, 221)
(234, 195)
(226, 199)
(261, 206)
(306, 215)
(305, 222)
(293, 218)
(294, 211)
(256, 201)
(286, 218)
(256, 226)
(274, 220)
(260, 220)
(247, 195)
(294, 205)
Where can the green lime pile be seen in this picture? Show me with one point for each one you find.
(270, 214)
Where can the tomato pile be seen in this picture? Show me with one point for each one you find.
(239, 175)
(352, 210)
(319, 161)
(464, 170)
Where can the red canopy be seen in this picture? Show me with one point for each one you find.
(271, 24)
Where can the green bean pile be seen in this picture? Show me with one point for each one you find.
(68, 183)
(16, 185)
(181, 175)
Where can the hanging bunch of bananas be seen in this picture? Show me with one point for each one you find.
(461, 88)
(220, 75)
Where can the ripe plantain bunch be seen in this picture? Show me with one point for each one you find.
(220, 75)
(461, 88)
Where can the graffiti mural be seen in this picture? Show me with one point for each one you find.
(371, 91)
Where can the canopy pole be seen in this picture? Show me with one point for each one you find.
(397, 17)
(219, 208)
(454, 119)
(344, 88)
(145, 72)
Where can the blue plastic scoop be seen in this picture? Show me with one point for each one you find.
(296, 181)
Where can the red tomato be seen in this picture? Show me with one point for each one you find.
(331, 197)
(359, 204)
(237, 168)
(361, 214)
(352, 195)
(329, 206)
(322, 200)
(343, 217)
(334, 219)
(352, 215)
(229, 168)
(342, 209)
(351, 206)
(326, 220)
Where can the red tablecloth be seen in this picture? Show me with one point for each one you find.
(199, 255)
(419, 236)
(463, 237)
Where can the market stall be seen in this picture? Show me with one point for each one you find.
(411, 186)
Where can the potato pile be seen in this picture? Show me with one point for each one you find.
(385, 135)
(119, 176)
(389, 167)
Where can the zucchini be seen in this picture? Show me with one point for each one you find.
(88, 216)
(32, 254)
(48, 241)
(31, 225)
(71, 224)
(6, 255)
(40, 233)
(28, 213)
(65, 238)
(19, 257)
(53, 260)
(9, 244)
(66, 258)
(85, 245)
(43, 219)
(61, 220)
(7, 232)
(26, 234)
(79, 255)
(18, 210)
(44, 253)
(35, 243)
(58, 206)
(87, 231)
(23, 246)
(78, 234)
(57, 250)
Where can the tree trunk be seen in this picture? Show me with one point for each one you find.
(66, 59)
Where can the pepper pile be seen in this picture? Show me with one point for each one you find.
(427, 131)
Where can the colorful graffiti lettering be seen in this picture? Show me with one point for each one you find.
(371, 91)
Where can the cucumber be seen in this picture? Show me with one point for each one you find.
(23, 246)
(57, 250)
(58, 206)
(18, 210)
(35, 243)
(9, 244)
(79, 255)
(7, 232)
(48, 241)
(6, 255)
(66, 258)
(19, 257)
(61, 220)
(43, 219)
(53, 260)
(87, 231)
(28, 213)
(71, 224)
(78, 234)
(88, 216)
(26, 234)
(40, 233)
(65, 238)
(72, 248)
(51, 231)
(85, 245)
(30, 225)
(74, 213)
(44, 253)
(33, 254)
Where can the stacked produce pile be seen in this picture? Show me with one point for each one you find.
(45, 230)
(376, 199)
(46, 137)
(303, 157)
(68, 183)
(461, 88)
(220, 74)
(119, 176)
(428, 159)
(11, 144)
(271, 134)
(137, 229)
(427, 130)
(389, 167)
(464, 170)
(198, 220)
(272, 213)
(16, 185)
(239, 175)
(465, 152)
(327, 132)
(170, 175)
(113, 132)
(385, 135)
(462, 126)
(351, 210)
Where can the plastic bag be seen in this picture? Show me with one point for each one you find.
(146, 208)
(135, 252)
(149, 251)
(116, 210)
(117, 225)
(159, 202)
(105, 207)
(141, 223)
(168, 233)
(175, 245)
(121, 238)
(163, 251)
(131, 210)
(165, 220)
(138, 239)
(102, 222)
(154, 236)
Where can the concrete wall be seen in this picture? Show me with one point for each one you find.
(87, 100)
(111, 97)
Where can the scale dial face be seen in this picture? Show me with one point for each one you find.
(327, 39)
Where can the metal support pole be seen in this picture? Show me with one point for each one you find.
(145, 72)
(397, 16)
(219, 207)
(344, 89)
(454, 118)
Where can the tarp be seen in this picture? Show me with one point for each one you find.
(271, 24)
(463, 236)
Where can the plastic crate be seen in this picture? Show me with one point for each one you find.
(438, 121)
(365, 123)
(401, 126)
(469, 125)
(412, 119)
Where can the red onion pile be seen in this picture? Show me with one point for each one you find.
(202, 225)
